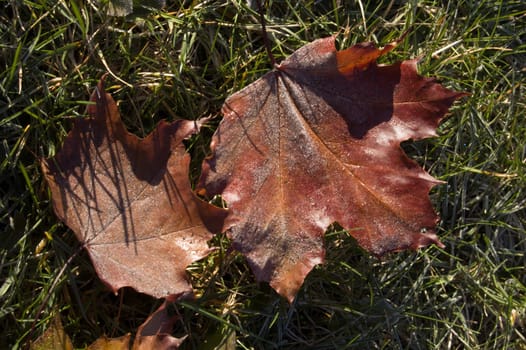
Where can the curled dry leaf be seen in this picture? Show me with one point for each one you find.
(317, 141)
(153, 334)
(129, 200)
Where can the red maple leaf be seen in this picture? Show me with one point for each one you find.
(317, 141)
(129, 200)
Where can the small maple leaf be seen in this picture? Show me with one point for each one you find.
(317, 141)
(129, 200)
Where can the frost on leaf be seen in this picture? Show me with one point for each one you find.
(129, 200)
(317, 141)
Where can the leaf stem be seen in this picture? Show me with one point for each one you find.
(266, 42)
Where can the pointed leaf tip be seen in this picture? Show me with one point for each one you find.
(361, 55)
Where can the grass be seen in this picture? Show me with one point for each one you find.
(183, 62)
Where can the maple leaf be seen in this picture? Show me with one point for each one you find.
(129, 200)
(317, 141)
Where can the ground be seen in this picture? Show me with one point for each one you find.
(182, 62)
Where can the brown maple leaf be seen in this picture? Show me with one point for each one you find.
(317, 141)
(129, 200)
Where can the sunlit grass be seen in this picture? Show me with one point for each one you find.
(183, 62)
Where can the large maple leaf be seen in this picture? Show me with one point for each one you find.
(129, 200)
(317, 141)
